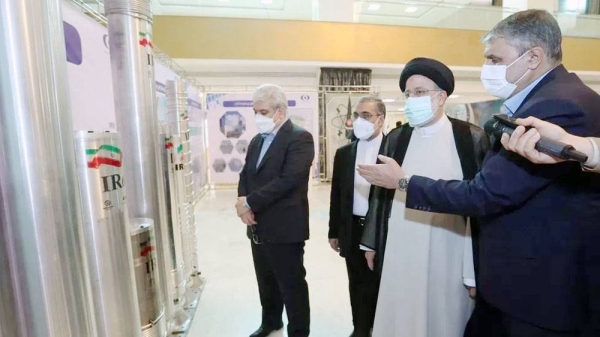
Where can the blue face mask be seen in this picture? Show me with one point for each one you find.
(418, 110)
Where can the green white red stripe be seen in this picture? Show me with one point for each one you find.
(168, 143)
(104, 155)
(146, 40)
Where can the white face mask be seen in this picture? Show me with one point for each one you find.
(264, 124)
(419, 111)
(494, 79)
(363, 129)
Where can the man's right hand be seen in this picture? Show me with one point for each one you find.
(240, 206)
(335, 244)
(248, 218)
(370, 256)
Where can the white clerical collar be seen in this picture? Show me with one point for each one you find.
(376, 140)
(430, 130)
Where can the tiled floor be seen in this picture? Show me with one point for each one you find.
(229, 306)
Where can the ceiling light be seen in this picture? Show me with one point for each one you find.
(223, 0)
(411, 9)
(266, 2)
(454, 96)
(389, 100)
(401, 109)
(374, 7)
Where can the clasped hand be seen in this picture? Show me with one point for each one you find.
(244, 212)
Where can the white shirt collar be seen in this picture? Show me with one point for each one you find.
(373, 142)
(430, 130)
(513, 103)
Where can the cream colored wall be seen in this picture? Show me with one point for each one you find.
(226, 38)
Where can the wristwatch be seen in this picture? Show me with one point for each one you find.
(403, 183)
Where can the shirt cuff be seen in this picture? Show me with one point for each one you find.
(469, 282)
(246, 204)
(593, 162)
(365, 248)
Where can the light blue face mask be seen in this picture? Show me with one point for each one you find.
(418, 110)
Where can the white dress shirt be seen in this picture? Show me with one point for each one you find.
(512, 104)
(366, 153)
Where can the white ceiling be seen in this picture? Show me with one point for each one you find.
(255, 9)
(305, 9)
(456, 14)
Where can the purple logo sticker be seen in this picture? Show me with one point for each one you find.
(73, 44)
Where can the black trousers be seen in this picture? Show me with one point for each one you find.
(489, 321)
(281, 281)
(363, 284)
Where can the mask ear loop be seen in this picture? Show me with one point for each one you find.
(440, 106)
(520, 57)
(520, 78)
(527, 72)
(276, 112)
(381, 126)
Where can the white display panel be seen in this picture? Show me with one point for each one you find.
(197, 139)
(338, 123)
(91, 91)
(89, 70)
(230, 121)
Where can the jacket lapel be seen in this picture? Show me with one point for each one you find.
(254, 152)
(464, 146)
(559, 71)
(351, 168)
(279, 141)
(402, 145)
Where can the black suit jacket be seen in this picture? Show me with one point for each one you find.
(342, 195)
(277, 190)
(471, 144)
(540, 229)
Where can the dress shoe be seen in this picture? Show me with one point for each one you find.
(264, 331)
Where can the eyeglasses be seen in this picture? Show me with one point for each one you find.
(418, 93)
(364, 115)
(255, 238)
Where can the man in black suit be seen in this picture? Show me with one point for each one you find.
(349, 206)
(539, 257)
(273, 202)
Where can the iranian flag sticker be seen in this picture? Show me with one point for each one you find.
(104, 155)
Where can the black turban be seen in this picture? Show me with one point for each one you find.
(430, 68)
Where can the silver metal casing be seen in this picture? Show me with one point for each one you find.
(44, 287)
(181, 320)
(106, 232)
(132, 61)
(143, 245)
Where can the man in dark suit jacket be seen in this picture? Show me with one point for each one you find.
(273, 203)
(349, 205)
(539, 271)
